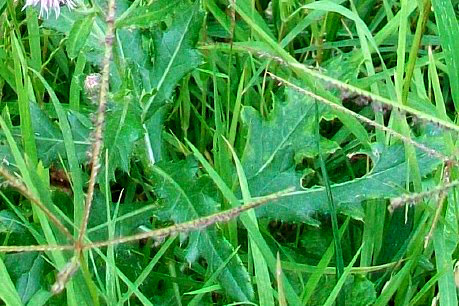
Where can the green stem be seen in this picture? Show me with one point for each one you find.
(420, 27)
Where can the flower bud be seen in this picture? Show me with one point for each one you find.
(92, 86)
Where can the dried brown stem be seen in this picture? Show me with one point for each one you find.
(160, 234)
(65, 275)
(35, 248)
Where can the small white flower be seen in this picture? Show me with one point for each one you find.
(49, 5)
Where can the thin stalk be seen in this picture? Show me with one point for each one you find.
(420, 27)
(418, 197)
(36, 248)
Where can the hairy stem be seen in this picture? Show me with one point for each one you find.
(100, 120)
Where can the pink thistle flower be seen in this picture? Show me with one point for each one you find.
(50, 5)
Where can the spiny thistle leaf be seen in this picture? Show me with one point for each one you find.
(122, 130)
(269, 164)
(175, 54)
(290, 126)
(50, 142)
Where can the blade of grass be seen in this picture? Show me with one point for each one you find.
(292, 266)
(15, 183)
(237, 109)
(146, 271)
(40, 298)
(75, 85)
(21, 78)
(304, 23)
(439, 101)
(261, 269)
(331, 203)
(375, 215)
(75, 170)
(225, 22)
(394, 284)
(444, 262)
(400, 119)
(427, 287)
(448, 29)
(365, 37)
(204, 290)
(57, 255)
(221, 155)
(175, 285)
(339, 285)
(142, 298)
(34, 45)
(420, 27)
(280, 284)
(110, 274)
(38, 236)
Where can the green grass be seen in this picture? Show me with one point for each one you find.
(262, 152)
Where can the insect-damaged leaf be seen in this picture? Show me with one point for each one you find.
(290, 126)
(187, 197)
(269, 162)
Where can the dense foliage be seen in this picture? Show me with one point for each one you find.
(338, 118)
